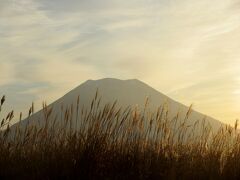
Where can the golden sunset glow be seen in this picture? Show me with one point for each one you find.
(186, 49)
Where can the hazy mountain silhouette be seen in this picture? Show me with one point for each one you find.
(127, 93)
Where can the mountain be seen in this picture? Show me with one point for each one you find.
(127, 93)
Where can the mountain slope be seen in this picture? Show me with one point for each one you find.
(127, 93)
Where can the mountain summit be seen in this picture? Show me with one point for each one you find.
(127, 93)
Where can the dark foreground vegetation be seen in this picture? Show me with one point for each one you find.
(116, 143)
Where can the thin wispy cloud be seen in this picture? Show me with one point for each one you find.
(175, 46)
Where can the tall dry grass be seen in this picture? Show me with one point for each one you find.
(116, 143)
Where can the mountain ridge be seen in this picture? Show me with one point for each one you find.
(130, 92)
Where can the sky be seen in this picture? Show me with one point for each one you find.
(186, 49)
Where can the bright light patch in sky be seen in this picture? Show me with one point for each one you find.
(187, 49)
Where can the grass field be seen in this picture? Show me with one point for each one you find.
(113, 143)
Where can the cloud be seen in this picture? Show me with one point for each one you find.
(182, 46)
(17, 99)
